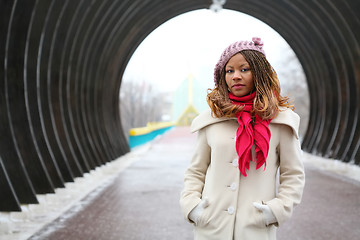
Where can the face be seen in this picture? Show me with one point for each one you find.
(238, 76)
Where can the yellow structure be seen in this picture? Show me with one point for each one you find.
(190, 111)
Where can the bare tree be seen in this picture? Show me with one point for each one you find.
(293, 84)
(141, 103)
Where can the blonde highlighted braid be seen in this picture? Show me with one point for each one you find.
(268, 98)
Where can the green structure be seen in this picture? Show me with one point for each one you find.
(189, 100)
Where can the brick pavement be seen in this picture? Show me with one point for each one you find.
(142, 202)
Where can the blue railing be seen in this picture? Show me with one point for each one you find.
(140, 136)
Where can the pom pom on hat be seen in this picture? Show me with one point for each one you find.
(256, 44)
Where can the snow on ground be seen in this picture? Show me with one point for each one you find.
(332, 165)
(22, 225)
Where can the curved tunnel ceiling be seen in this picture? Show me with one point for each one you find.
(61, 69)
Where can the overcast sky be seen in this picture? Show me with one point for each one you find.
(191, 43)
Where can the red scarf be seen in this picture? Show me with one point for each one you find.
(249, 132)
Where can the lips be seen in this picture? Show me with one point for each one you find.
(238, 86)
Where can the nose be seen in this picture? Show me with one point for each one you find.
(237, 75)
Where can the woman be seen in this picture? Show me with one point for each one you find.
(246, 175)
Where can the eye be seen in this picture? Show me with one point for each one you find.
(229, 71)
(245, 69)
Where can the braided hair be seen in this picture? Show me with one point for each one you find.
(267, 100)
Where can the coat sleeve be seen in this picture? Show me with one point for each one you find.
(292, 176)
(194, 178)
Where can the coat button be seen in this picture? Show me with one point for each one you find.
(231, 210)
(235, 163)
(233, 186)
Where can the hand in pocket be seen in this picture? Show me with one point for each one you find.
(195, 214)
(267, 213)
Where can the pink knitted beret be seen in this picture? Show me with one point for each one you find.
(256, 44)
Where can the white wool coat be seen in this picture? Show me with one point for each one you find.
(214, 173)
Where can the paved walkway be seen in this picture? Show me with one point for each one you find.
(142, 202)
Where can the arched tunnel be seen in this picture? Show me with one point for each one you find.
(62, 63)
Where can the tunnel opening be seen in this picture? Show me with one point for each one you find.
(155, 84)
